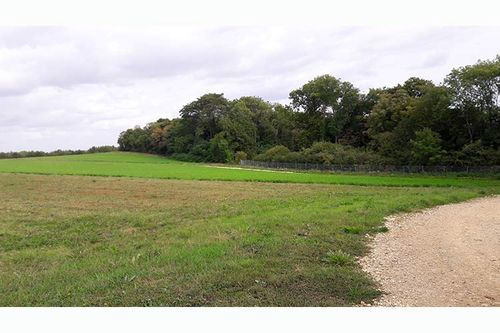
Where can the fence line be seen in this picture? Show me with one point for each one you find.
(371, 168)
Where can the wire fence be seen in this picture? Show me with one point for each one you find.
(372, 168)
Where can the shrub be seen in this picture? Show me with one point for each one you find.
(240, 155)
(323, 153)
(200, 150)
(274, 154)
(476, 154)
(426, 148)
(101, 149)
(218, 149)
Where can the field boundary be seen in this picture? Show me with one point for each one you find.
(371, 168)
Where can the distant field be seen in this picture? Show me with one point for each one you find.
(149, 166)
(124, 241)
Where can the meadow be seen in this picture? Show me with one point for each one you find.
(124, 164)
(157, 232)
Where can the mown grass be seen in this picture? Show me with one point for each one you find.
(81, 241)
(149, 166)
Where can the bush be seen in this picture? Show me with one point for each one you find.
(274, 154)
(101, 149)
(426, 148)
(200, 151)
(59, 152)
(323, 153)
(218, 149)
(240, 155)
(476, 154)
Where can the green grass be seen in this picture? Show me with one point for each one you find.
(122, 241)
(149, 166)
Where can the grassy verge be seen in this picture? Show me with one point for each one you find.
(120, 241)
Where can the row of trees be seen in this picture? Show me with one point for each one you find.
(417, 122)
(59, 152)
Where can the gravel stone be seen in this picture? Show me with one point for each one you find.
(444, 256)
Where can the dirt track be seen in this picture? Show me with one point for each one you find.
(444, 256)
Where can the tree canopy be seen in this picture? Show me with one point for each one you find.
(328, 120)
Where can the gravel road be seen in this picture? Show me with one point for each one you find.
(444, 256)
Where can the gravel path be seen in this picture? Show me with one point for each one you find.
(444, 256)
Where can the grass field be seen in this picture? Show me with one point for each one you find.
(150, 166)
(285, 239)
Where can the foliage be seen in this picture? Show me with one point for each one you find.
(388, 125)
(59, 152)
(426, 148)
(218, 149)
(328, 105)
(323, 153)
(239, 156)
(275, 154)
(476, 99)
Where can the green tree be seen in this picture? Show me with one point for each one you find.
(218, 149)
(284, 121)
(135, 139)
(158, 132)
(240, 130)
(476, 99)
(203, 115)
(417, 87)
(328, 105)
(179, 137)
(390, 126)
(262, 115)
(426, 148)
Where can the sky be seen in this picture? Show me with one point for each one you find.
(76, 87)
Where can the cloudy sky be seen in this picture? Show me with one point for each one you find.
(72, 88)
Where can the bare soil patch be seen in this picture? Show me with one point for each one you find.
(444, 256)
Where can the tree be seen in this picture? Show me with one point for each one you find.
(262, 114)
(328, 105)
(426, 148)
(240, 130)
(179, 137)
(476, 91)
(159, 135)
(433, 110)
(392, 106)
(218, 149)
(417, 87)
(356, 130)
(203, 115)
(330, 121)
(390, 126)
(135, 139)
(284, 121)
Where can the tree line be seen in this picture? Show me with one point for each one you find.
(59, 152)
(331, 121)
